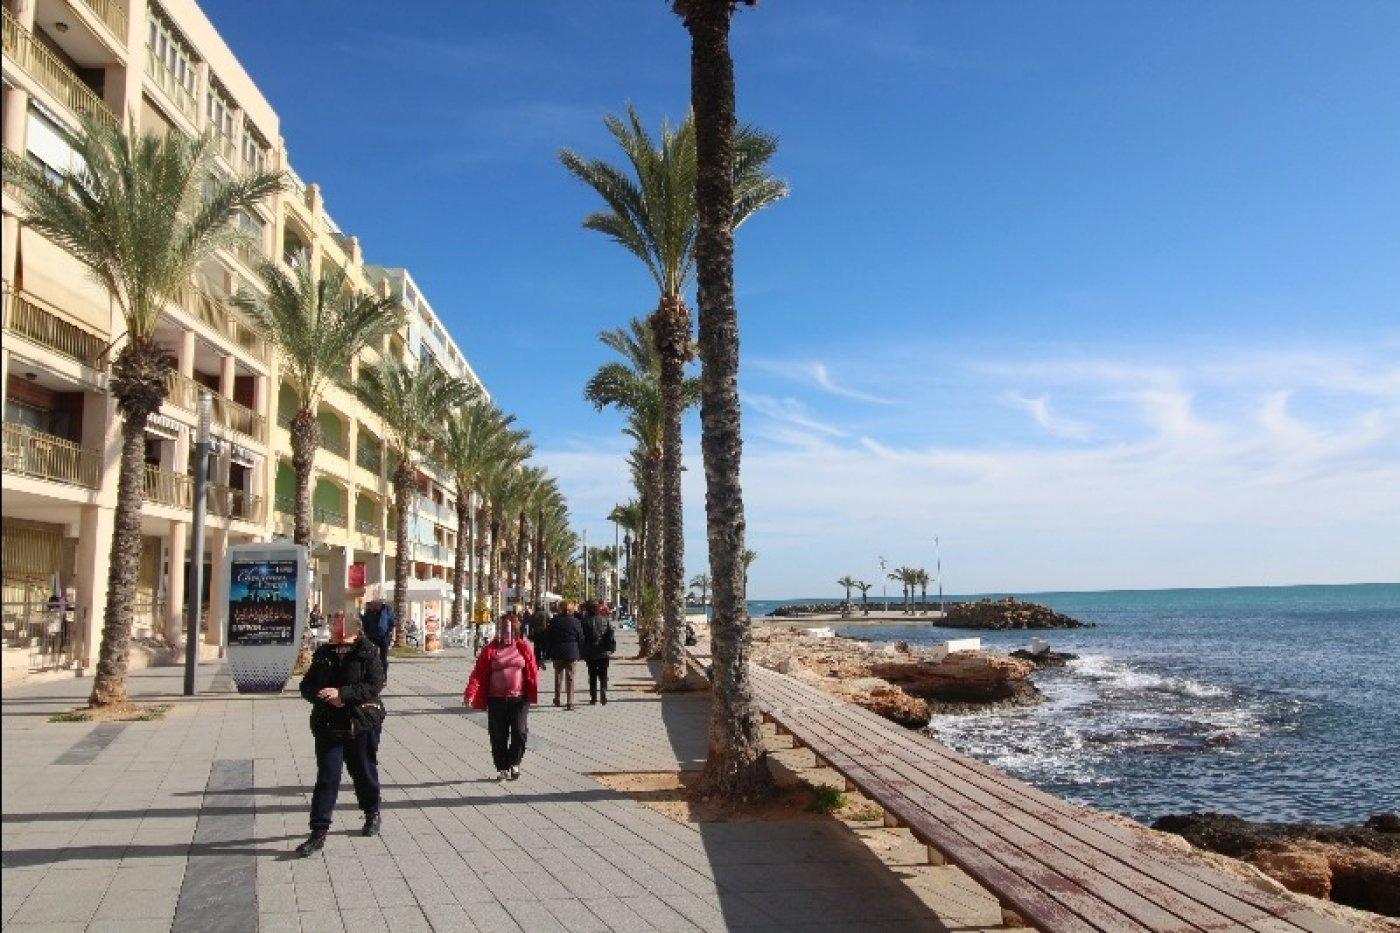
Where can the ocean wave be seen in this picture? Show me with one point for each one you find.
(1114, 673)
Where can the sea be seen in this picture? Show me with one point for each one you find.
(1269, 703)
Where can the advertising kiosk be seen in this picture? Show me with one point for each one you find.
(266, 613)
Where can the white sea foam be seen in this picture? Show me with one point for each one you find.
(1118, 675)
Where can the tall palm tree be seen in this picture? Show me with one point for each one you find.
(413, 402)
(849, 583)
(535, 488)
(650, 211)
(734, 766)
(864, 594)
(141, 213)
(474, 437)
(319, 326)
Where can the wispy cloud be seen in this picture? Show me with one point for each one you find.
(816, 373)
(1039, 409)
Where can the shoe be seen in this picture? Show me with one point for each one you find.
(502, 775)
(569, 708)
(556, 701)
(515, 773)
(605, 699)
(313, 844)
(592, 701)
(371, 827)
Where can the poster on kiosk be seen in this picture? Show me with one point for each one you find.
(266, 613)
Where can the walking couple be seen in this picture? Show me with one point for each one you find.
(585, 635)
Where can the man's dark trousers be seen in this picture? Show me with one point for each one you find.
(359, 754)
(383, 647)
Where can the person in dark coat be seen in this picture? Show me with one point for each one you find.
(345, 675)
(599, 643)
(379, 625)
(535, 627)
(564, 637)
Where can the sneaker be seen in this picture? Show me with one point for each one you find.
(556, 701)
(592, 701)
(371, 827)
(313, 844)
(515, 773)
(502, 775)
(569, 708)
(605, 699)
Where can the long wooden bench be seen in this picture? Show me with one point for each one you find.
(1052, 864)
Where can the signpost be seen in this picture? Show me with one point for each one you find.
(266, 613)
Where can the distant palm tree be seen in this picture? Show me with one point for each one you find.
(651, 212)
(922, 578)
(413, 402)
(143, 214)
(864, 594)
(319, 326)
(701, 584)
(628, 515)
(849, 583)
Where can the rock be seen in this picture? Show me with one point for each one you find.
(964, 677)
(1306, 872)
(895, 705)
(1045, 658)
(1008, 613)
(1384, 823)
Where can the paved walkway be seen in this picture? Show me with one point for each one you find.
(186, 824)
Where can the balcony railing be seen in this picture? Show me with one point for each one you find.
(329, 516)
(41, 64)
(216, 313)
(167, 487)
(44, 327)
(285, 505)
(367, 526)
(227, 502)
(47, 456)
(165, 80)
(336, 444)
(113, 14)
(185, 393)
(369, 455)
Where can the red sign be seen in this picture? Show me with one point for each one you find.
(357, 575)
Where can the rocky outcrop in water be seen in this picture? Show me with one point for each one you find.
(1008, 613)
(903, 684)
(1354, 865)
(1045, 658)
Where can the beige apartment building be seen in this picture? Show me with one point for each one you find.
(163, 66)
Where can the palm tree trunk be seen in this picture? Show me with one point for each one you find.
(652, 557)
(138, 384)
(671, 326)
(459, 568)
(497, 570)
(736, 767)
(306, 438)
(403, 493)
(520, 561)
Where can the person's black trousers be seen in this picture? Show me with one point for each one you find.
(360, 755)
(507, 726)
(383, 647)
(597, 678)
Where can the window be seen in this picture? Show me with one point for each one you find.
(254, 151)
(171, 51)
(220, 112)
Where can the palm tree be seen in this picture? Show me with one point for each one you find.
(849, 583)
(650, 211)
(413, 402)
(701, 583)
(319, 326)
(475, 437)
(629, 516)
(921, 577)
(734, 766)
(864, 594)
(142, 214)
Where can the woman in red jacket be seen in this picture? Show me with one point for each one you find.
(505, 682)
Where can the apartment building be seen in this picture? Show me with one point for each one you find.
(163, 66)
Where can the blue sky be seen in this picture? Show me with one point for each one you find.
(1104, 294)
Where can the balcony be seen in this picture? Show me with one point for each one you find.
(367, 526)
(329, 516)
(285, 505)
(46, 456)
(55, 77)
(113, 14)
(185, 393)
(227, 502)
(440, 513)
(43, 327)
(369, 455)
(437, 553)
(165, 80)
(336, 444)
(165, 487)
(199, 304)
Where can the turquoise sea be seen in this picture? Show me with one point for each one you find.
(1277, 703)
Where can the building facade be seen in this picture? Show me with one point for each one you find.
(161, 65)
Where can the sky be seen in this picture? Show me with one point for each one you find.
(1103, 295)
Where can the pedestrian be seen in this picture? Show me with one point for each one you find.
(504, 682)
(537, 623)
(564, 636)
(379, 625)
(342, 684)
(599, 643)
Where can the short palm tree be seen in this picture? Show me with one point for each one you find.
(628, 515)
(474, 437)
(142, 214)
(413, 402)
(701, 584)
(319, 326)
(650, 211)
(864, 594)
(849, 583)
(921, 577)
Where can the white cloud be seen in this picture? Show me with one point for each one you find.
(815, 373)
(1039, 410)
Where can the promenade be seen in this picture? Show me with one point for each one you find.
(186, 824)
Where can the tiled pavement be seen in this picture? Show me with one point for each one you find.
(186, 824)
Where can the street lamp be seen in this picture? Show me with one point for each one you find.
(884, 586)
(201, 483)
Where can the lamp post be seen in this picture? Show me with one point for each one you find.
(627, 553)
(201, 483)
(585, 565)
(884, 586)
(938, 565)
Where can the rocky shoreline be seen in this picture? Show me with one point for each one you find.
(986, 614)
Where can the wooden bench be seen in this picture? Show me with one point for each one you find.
(1050, 863)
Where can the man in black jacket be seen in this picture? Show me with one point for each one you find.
(599, 643)
(343, 685)
(564, 637)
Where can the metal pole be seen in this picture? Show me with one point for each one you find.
(201, 483)
(884, 586)
(617, 568)
(585, 565)
(938, 557)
